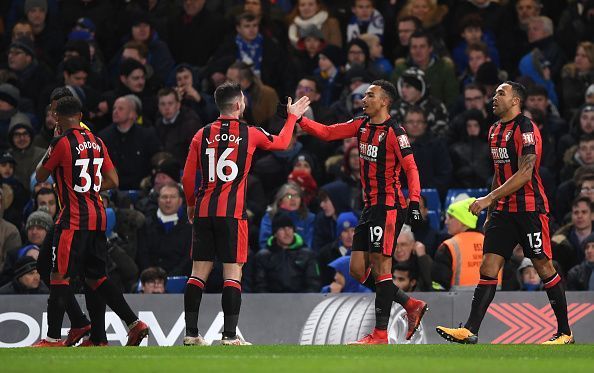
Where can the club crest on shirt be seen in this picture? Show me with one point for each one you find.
(528, 138)
(508, 135)
(381, 136)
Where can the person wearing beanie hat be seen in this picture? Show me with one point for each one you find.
(38, 225)
(329, 73)
(413, 91)
(26, 155)
(286, 264)
(339, 247)
(10, 94)
(458, 259)
(167, 171)
(26, 279)
(528, 277)
(30, 4)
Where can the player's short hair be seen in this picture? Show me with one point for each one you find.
(168, 91)
(59, 93)
(537, 90)
(74, 65)
(152, 274)
(518, 90)
(68, 106)
(474, 86)
(420, 33)
(245, 16)
(584, 199)
(388, 89)
(226, 94)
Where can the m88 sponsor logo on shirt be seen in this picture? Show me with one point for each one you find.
(368, 151)
(500, 155)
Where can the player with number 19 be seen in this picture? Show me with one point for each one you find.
(221, 154)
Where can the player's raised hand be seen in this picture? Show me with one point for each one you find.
(299, 107)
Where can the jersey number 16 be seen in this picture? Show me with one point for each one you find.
(221, 163)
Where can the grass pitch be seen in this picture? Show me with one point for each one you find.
(281, 359)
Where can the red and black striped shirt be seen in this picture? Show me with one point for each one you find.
(384, 149)
(77, 160)
(508, 142)
(222, 153)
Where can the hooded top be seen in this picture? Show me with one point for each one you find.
(351, 285)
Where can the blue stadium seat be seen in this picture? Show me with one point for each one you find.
(434, 220)
(432, 197)
(176, 284)
(453, 193)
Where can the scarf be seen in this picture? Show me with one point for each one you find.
(300, 23)
(357, 27)
(167, 221)
(251, 52)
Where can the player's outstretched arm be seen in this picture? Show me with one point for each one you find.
(111, 180)
(265, 141)
(337, 131)
(516, 181)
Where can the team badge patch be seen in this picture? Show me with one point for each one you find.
(528, 138)
(403, 141)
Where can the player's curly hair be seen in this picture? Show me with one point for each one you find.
(388, 88)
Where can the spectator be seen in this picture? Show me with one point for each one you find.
(44, 137)
(585, 126)
(196, 25)
(487, 76)
(176, 125)
(13, 208)
(582, 184)
(25, 154)
(470, 155)
(431, 154)
(578, 156)
(528, 277)
(533, 66)
(159, 56)
(153, 281)
(313, 12)
(358, 56)
(429, 12)
(329, 74)
(477, 54)
(47, 35)
(340, 247)
(575, 24)
(412, 253)
(10, 239)
(261, 99)
(404, 276)
(289, 201)
(379, 65)
(333, 199)
(199, 101)
(26, 279)
(365, 20)
(260, 52)
(413, 91)
(286, 265)
(458, 259)
(580, 277)
(130, 145)
(31, 73)
(512, 39)
(310, 87)
(10, 97)
(537, 97)
(541, 36)
(439, 71)
(167, 235)
(405, 26)
(576, 77)
(568, 241)
(343, 282)
(472, 34)
(139, 52)
(303, 175)
(309, 46)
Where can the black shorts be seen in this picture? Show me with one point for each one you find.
(79, 253)
(378, 229)
(530, 230)
(225, 239)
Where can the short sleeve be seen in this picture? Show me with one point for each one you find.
(527, 140)
(402, 141)
(55, 154)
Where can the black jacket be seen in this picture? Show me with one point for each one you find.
(177, 136)
(14, 288)
(292, 270)
(131, 153)
(170, 251)
(433, 161)
(578, 277)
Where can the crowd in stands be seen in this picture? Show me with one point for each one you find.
(146, 70)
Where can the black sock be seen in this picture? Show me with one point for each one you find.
(483, 296)
(192, 299)
(400, 297)
(77, 317)
(384, 296)
(96, 307)
(115, 300)
(231, 301)
(556, 294)
(56, 305)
